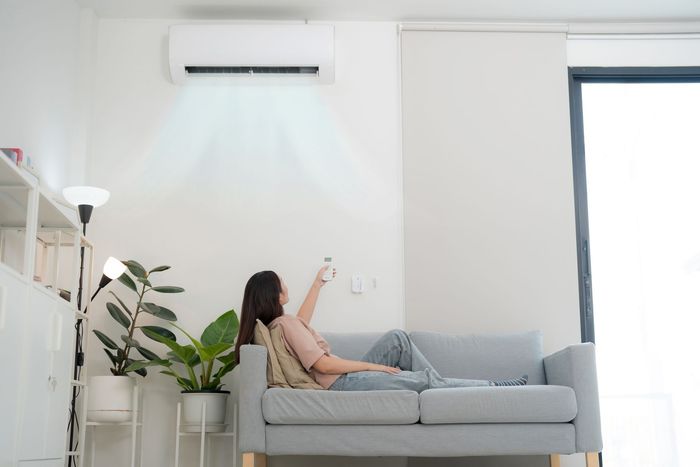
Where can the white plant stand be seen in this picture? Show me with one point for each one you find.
(136, 430)
(204, 436)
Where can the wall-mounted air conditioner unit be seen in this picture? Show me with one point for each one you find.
(302, 52)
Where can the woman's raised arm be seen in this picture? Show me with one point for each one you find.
(306, 311)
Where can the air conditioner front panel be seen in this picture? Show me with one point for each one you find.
(228, 49)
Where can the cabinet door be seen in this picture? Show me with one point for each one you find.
(37, 384)
(13, 303)
(42, 463)
(61, 352)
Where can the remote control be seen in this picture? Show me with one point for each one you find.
(328, 275)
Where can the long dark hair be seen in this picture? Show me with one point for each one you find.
(261, 300)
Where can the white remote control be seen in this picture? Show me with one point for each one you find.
(328, 275)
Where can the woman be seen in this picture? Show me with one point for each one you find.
(393, 362)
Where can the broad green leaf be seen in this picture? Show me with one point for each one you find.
(112, 357)
(151, 308)
(210, 352)
(224, 370)
(128, 281)
(147, 353)
(159, 269)
(130, 341)
(105, 340)
(168, 289)
(228, 358)
(135, 268)
(140, 371)
(166, 314)
(183, 352)
(193, 362)
(185, 383)
(126, 308)
(138, 364)
(118, 315)
(120, 355)
(159, 311)
(224, 329)
(173, 356)
(196, 343)
(168, 334)
(144, 281)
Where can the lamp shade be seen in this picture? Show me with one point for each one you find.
(86, 196)
(113, 268)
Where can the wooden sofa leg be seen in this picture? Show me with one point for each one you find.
(254, 459)
(592, 459)
(554, 460)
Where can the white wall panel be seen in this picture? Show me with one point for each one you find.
(489, 214)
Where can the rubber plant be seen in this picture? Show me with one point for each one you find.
(120, 355)
(205, 360)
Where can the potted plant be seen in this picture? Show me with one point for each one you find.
(205, 361)
(111, 396)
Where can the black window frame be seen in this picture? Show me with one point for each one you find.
(578, 76)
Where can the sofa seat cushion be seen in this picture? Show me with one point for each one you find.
(322, 407)
(517, 404)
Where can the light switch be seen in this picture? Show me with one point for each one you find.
(358, 283)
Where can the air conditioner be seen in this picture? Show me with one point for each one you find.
(289, 52)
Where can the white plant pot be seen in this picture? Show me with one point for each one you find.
(110, 399)
(215, 416)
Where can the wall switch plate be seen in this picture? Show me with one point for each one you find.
(358, 283)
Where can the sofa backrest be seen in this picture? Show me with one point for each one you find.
(484, 356)
(351, 345)
(460, 356)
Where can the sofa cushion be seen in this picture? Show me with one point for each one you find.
(516, 404)
(309, 407)
(484, 356)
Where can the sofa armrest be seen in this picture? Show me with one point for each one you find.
(250, 384)
(575, 367)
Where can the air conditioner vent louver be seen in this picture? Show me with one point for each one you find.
(251, 70)
(242, 53)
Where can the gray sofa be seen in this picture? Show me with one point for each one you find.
(556, 413)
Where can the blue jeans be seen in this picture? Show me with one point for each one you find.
(396, 349)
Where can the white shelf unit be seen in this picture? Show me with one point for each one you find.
(204, 436)
(36, 319)
(136, 425)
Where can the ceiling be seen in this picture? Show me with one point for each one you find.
(404, 10)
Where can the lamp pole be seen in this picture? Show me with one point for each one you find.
(85, 198)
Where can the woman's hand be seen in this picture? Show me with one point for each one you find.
(319, 277)
(306, 311)
(384, 368)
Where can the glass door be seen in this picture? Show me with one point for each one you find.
(638, 197)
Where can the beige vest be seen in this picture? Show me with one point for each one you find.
(283, 369)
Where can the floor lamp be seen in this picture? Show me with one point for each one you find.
(85, 198)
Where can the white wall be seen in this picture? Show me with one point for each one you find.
(42, 99)
(649, 50)
(221, 182)
(490, 228)
(490, 243)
